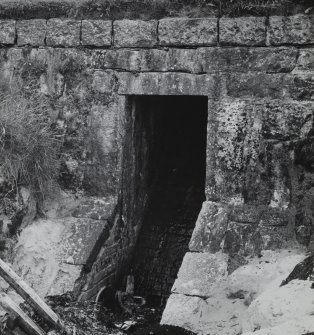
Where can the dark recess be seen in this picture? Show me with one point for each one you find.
(170, 138)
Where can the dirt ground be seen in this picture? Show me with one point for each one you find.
(94, 319)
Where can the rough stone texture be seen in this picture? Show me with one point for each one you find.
(224, 311)
(185, 304)
(199, 272)
(208, 60)
(242, 31)
(302, 271)
(183, 60)
(215, 315)
(41, 261)
(269, 60)
(167, 84)
(104, 81)
(129, 33)
(31, 32)
(241, 122)
(240, 230)
(84, 232)
(96, 33)
(96, 208)
(63, 32)
(286, 120)
(305, 60)
(210, 229)
(63, 281)
(300, 86)
(102, 170)
(186, 32)
(298, 29)
(7, 31)
(255, 85)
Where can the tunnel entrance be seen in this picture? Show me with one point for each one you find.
(166, 185)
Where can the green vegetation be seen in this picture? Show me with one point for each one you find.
(29, 146)
(146, 9)
(263, 7)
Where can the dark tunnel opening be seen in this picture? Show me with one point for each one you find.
(167, 142)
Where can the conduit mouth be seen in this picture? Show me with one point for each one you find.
(165, 169)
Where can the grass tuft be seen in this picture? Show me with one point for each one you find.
(29, 145)
(256, 7)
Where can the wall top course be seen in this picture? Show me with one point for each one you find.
(168, 32)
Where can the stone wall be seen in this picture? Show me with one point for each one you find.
(257, 73)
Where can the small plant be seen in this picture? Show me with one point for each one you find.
(29, 146)
(261, 7)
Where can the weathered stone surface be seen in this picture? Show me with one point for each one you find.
(235, 59)
(65, 279)
(304, 227)
(63, 32)
(225, 310)
(7, 31)
(250, 125)
(302, 271)
(147, 60)
(124, 59)
(104, 81)
(268, 182)
(129, 33)
(246, 124)
(209, 60)
(198, 272)
(187, 32)
(102, 170)
(275, 217)
(286, 120)
(52, 85)
(245, 214)
(203, 317)
(84, 233)
(242, 239)
(242, 31)
(178, 312)
(272, 231)
(183, 60)
(31, 32)
(96, 208)
(272, 120)
(167, 84)
(276, 237)
(39, 55)
(300, 86)
(210, 229)
(255, 85)
(297, 29)
(225, 227)
(225, 158)
(96, 32)
(305, 60)
(47, 262)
